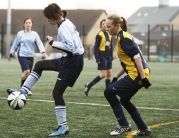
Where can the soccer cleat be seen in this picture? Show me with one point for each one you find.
(86, 89)
(145, 132)
(29, 93)
(25, 93)
(61, 130)
(120, 130)
(9, 90)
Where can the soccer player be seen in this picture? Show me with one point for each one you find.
(138, 74)
(69, 66)
(24, 43)
(103, 54)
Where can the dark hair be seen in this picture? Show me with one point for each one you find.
(118, 20)
(28, 18)
(54, 12)
(101, 22)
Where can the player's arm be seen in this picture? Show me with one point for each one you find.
(111, 48)
(119, 74)
(137, 60)
(96, 48)
(138, 63)
(58, 45)
(13, 47)
(40, 46)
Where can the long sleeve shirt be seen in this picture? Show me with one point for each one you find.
(68, 39)
(24, 43)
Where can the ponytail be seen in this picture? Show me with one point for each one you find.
(64, 13)
(124, 25)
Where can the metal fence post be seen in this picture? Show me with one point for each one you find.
(2, 40)
(148, 42)
(172, 44)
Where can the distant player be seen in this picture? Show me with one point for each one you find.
(24, 43)
(138, 74)
(69, 66)
(103, 54)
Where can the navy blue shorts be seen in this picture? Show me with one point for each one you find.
(26, 63)
(105, 61)
(125, 87)
(69, 69)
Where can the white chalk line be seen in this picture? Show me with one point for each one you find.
(96, 104)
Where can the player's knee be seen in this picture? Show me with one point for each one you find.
(26, 73)
(38, 66)
(106, 93)
(111, 98)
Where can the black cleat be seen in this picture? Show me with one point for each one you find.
(86, 89)
(9, 90)
(145, 132)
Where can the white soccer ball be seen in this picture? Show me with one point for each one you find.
(16, 100)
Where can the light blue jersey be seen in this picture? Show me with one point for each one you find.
(24, 43)
(68, 39)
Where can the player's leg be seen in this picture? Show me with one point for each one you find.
(102, 66)
(68, 74)
(126, 88)
(36, 74)
(108, 72)
(26, 66)
(135, 115)
(124, 125)
(94, 81)
(60, 110)
(108, 77)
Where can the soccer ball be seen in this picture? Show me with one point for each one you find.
(16, 100)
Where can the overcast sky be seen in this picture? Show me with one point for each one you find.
(122, 7)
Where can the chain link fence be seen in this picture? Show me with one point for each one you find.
(158, 43)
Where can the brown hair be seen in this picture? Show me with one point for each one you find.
(101, 22)
(116, 19)
(28, 18)
(54, 12)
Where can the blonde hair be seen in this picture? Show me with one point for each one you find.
(116, 19)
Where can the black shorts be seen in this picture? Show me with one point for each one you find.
(125, 87)
(105, 61)
(26, 63)
(69, 69)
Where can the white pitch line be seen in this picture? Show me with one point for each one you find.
(95, 104)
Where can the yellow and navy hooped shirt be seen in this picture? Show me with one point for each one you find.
(102, 44)
(126, 50)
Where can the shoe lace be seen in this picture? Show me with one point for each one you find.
(120, 129)
(86, 88)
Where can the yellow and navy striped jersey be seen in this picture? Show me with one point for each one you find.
(126, 50)
(102, 44)
(102, 38)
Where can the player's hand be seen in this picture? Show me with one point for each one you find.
(114, 80)
(9, 58)
(49, 38)
(44, 55)
(146, 83)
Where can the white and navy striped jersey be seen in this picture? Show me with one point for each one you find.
(68, 39)
(24, 43)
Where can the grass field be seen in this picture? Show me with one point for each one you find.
(89, 117)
